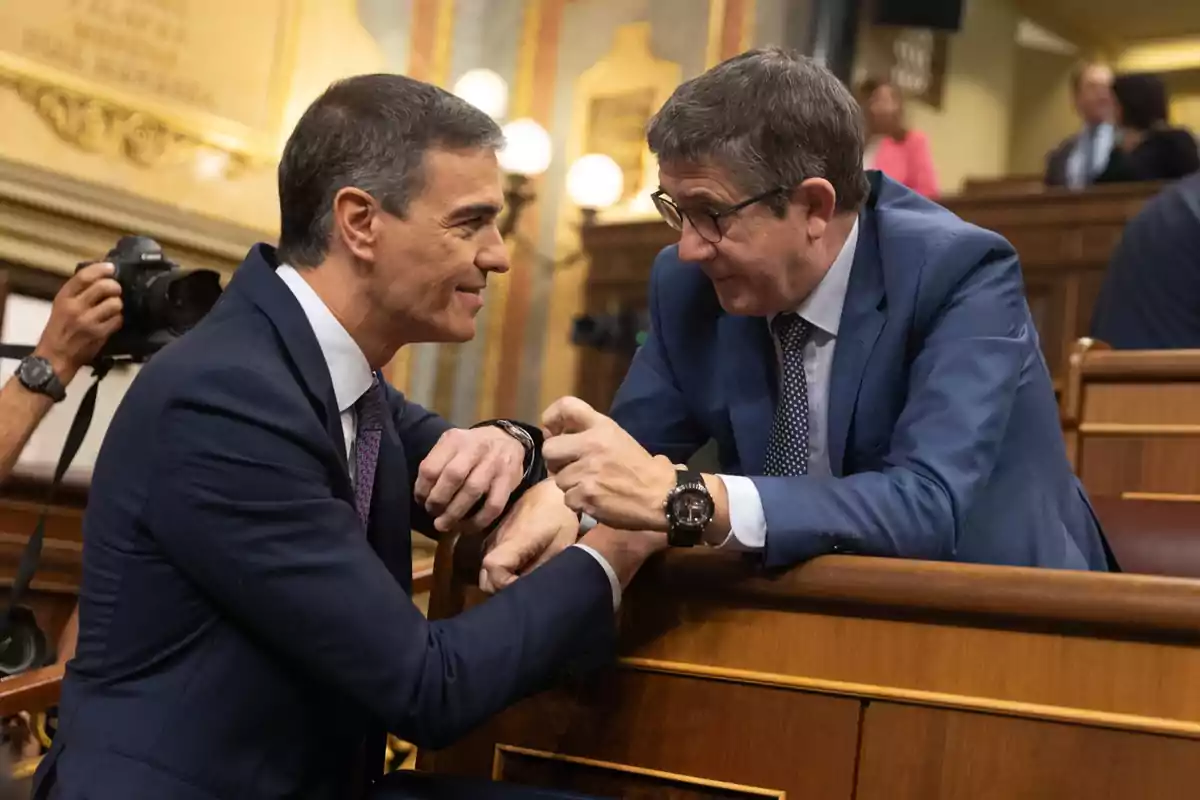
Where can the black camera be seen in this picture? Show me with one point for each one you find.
(623, 332)
(162, 301)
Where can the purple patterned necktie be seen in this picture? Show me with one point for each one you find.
(370, 410)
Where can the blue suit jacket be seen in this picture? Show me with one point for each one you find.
(1150, 299)
(240, 634)
(943, 431)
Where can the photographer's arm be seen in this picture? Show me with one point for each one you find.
(87, 310)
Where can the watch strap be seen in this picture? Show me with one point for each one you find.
(50, 385)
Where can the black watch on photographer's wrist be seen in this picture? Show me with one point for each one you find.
(689, 508)
(37, 375)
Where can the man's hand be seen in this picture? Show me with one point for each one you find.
(87, 310)
(535, 530)
(602, 470)
(464, 466)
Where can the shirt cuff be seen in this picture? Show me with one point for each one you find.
(608, 570)
(747, 522)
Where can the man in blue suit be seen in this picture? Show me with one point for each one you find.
(245, 622)
(864, 360)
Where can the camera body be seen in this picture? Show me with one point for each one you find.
(161, 300)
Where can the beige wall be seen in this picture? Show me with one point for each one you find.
(1042, 112)
(1185, 98)
(969, 134)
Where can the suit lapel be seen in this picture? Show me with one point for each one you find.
(862, 320)
(748, 361)
(256, 279)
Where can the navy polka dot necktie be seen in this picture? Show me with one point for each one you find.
(787, 451)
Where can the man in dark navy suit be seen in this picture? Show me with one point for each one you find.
(1150, 299)
(864, 360)
(245, 622)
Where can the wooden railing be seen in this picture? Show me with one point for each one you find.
(875, 679)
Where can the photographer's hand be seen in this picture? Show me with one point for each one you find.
(87, 310)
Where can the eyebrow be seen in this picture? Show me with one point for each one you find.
(475, 210)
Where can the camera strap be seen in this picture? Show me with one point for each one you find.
(33, 549)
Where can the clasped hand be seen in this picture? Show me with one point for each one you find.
(602, 470)
(463, 467)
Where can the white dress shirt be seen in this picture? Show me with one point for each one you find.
(823, 310)
(351, 377)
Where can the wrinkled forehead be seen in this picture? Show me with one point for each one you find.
(690, 181)
(461, 177)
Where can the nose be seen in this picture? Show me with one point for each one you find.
(693, 246)
(493, 256)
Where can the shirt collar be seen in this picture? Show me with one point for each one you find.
(348, 368)
(823, 307)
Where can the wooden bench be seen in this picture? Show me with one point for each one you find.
(1131, 420)
(872, 679)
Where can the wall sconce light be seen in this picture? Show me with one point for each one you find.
(595, 182)
(485, 90)
(526, 154)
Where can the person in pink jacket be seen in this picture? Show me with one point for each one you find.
(892, 148)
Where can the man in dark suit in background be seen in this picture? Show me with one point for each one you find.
(1150, 299)
(864, 359)
(1081, 158)
(245, 624)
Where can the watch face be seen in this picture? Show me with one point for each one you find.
(35, 372)
(692, 509)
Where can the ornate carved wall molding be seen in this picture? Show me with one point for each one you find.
(99, 126)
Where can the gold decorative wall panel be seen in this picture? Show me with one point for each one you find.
(148, 78)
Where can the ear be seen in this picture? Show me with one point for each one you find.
(355, 218)
(819, 198)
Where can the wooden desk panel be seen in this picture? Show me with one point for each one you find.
(914, 753)
(956, 681)
(1132, 420)
(633, 733)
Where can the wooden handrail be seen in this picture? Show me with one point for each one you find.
(1008, 595)
(35, 690)
(1141, 365)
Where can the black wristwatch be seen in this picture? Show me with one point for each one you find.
(689, 508)
(36, 375)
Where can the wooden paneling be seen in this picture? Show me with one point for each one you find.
(915, 753)
(1132, 420)
(854, 677)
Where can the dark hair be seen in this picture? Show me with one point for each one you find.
(1143, 100)
(871, 85)
(773, 118)
(370, 132)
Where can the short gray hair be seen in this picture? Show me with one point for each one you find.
(773, 118)
(370, 132)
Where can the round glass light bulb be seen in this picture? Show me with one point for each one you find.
(485, 90)
(595, 181)
(527, 148)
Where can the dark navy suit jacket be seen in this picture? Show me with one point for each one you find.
(1150, 299)
(241, 636)
(943, 432)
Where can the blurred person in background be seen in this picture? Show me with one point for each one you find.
(892, 147)
(1148, 147)
(1080, 158)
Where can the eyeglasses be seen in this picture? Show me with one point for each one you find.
(706, 223)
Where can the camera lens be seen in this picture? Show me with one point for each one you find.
(178, 300)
